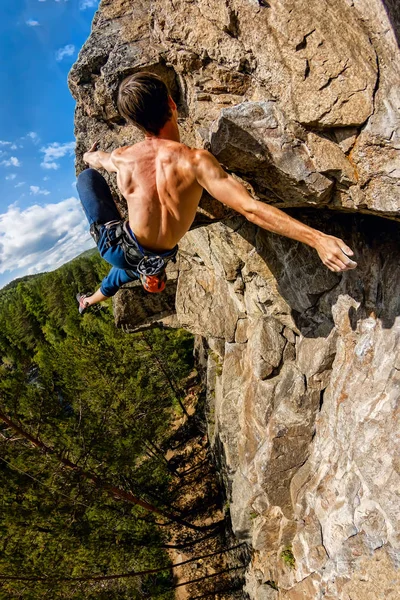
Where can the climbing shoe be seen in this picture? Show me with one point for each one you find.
(83, 304)
(154, 283)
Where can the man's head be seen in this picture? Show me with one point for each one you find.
(144, 101)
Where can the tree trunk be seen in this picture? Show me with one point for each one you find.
(124, 575)
(157, 453)
(112, 490)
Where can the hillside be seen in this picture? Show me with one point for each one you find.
(87, 415)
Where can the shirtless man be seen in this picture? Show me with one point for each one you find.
(162, 181)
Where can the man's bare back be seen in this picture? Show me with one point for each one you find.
(157, 178)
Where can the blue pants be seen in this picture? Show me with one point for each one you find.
(100, 208)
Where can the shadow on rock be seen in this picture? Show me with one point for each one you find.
(392, 8)
(311, 290)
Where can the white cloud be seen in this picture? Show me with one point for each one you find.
(13, 147)
(3, 143)
(67, 50)
(33, 136)
(50, 165)
(19, 184)
(32, 23)
(11, 162)
(88, 4)
(46, 236)
(11, 177)
(53, 152)
(36, 190)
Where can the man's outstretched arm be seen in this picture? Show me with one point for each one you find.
(333, 252)
(99, 160)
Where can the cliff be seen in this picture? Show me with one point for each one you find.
(301, 101)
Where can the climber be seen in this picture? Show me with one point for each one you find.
(162, 181)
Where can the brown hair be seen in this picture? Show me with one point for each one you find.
(143, 101)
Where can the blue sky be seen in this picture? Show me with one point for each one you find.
(41, 222)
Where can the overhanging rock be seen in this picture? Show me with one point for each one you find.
(136, 310)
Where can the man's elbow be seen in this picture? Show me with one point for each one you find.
(250, 212)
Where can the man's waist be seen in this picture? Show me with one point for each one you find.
(146, 248)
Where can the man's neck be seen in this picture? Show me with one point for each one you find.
(170, 131)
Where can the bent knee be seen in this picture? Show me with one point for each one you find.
(87, 175)
(90, 178)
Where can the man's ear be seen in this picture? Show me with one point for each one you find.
(171, 103)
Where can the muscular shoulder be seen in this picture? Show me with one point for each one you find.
(203, 159)
(199, 156)
(206, 166)
(177, 155)
(122, 154)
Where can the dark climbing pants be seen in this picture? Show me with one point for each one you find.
(100, 209)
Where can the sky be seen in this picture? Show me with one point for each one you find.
(42, 224)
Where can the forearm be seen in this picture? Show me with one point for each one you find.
(333, 251)
(99, 160)
(275, 220)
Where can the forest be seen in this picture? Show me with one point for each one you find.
(86, 414)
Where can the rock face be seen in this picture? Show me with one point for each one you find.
(301, 101)
(303, 390)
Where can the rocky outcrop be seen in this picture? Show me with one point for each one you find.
(300, 100)
(136, 310)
